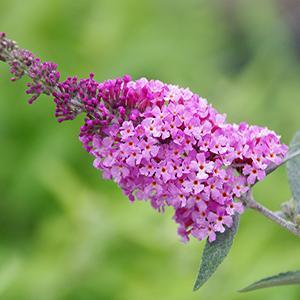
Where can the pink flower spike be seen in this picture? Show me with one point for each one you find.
(160, 143)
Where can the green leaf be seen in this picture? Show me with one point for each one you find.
(214, 253)
(279, 279)
(293, 169)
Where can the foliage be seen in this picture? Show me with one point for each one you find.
(276, 280)
(214, 253)
(81, 240)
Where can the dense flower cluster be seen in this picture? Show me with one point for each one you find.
(165, 144)
(159, 142)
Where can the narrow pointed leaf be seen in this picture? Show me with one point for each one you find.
(293, 169)
(279, 279)
(214, 253)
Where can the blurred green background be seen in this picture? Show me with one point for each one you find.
(67, 234)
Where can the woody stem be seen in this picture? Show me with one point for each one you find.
(250, 202)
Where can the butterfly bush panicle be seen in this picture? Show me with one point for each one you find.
(168, 145)
(160, 143)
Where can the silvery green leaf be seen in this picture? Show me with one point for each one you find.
(293, 169)
(215, 252)
(276, 280)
